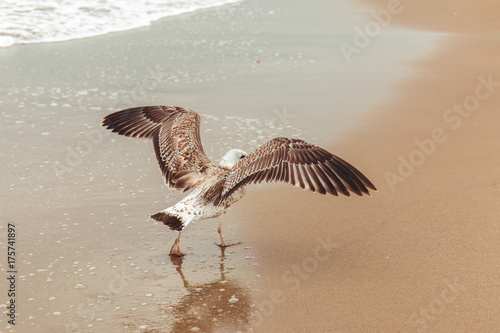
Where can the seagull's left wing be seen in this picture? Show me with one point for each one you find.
(299, 163)
(175, 132)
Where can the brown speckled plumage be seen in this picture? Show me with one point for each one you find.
(299, 163)
(175, 132)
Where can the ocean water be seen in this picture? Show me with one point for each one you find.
(37, 21)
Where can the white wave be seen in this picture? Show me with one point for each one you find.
(37, 21)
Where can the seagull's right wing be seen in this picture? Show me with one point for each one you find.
(299, 163)
(175, 132)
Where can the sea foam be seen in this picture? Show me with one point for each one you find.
(28, 21)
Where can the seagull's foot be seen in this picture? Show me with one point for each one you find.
(223, 244)
(175, 250)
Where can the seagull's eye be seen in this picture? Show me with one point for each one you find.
(242, 157)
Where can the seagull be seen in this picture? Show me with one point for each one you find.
(175, 132)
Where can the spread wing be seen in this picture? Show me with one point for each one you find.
(175, 133)
(299, 163)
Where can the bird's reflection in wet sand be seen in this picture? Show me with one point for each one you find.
(220, 305)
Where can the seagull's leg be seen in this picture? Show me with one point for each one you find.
(222, 243)
(175, 250)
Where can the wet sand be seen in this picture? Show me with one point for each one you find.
(421, 255)
(90, 259)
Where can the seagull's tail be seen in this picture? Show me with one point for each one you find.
(170, 220)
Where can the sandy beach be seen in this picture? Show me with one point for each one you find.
(414, 105)
(421, 254)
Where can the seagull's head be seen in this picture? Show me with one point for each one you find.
(232, 157)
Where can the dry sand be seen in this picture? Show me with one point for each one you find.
(421, 255)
